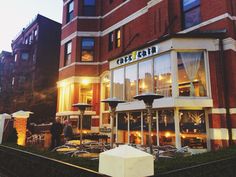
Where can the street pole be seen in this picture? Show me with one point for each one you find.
(81, 128)
(149, 116)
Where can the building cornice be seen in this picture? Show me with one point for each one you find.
(136, 15)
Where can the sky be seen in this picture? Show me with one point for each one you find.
(16, 14)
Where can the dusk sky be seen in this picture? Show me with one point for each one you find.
(16, 14)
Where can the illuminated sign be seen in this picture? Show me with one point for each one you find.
(137, 55)
(105, 130)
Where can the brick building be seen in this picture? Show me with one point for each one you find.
(182, 49)
(6, 68)
(34, 69)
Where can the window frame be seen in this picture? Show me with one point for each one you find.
(117, 39)
(110, 41)
(90, 50)
(22, 53)
(196, 5)
(70, 13)
(89, 10)
(67, 54)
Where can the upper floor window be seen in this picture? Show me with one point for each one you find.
(191, 74)
(26, 40)
(118, 38)
(13, 81)
(110, 41)
(191, 13)
(70, 11)
(35, 32)
(87, 49)
(24, 56)
(15, 58)
(68, 49)
(30, 39)
(89, 7)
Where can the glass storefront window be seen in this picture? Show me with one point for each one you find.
(105, 91)
(162, 75)
(145, 81)
(145, 128)
(118, 83)
(191, 72)
(135, 127)
(193, 128)
(130, 82)
(166, 127)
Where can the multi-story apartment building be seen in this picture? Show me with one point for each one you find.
(35, 53)
(182, 49)
(6, 68)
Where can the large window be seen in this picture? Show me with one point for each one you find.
(105, 93)
(162, 75)
(87, 49)
(89, 8)
(191, 13)
(145, 80)
(166, 126)
(193, 128)
(118, 83)
(191, 72)
(130, 82)
(135, 127)
(86, 93)
(70, 11)
(68, 49)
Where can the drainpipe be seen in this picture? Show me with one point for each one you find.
(225, 89)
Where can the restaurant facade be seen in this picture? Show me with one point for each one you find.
(183, 50)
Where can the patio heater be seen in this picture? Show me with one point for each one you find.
(81, 107)
(148, 99)
(112, 102)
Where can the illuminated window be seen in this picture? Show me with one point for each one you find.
(87, 49)
(89, 8)
(191, 74)
(105, 91)
(193, 128)
(145, 80)
(162, 75)
(68, 49)
(86, 93)
(118, 83)
(191, 13)
(166, 127)
(130, 82)
(118, 38)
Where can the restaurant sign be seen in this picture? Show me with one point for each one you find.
(105, 130)
(137, 55)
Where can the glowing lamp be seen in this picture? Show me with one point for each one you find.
(20, 125)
